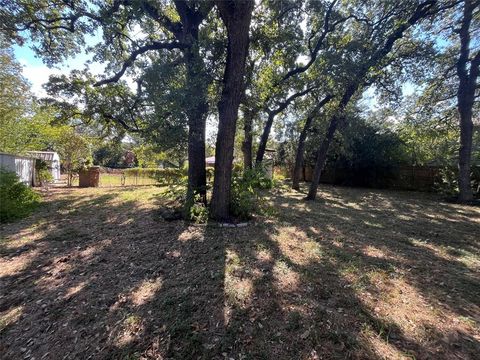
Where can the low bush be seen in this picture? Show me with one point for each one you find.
(198, 211)
(16, 199)
(246, 195)
(447, 182)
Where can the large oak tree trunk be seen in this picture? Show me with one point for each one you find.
(191, 16)
(197, 113)
(197, 177)
(466, 97)
(297, 170)
(236, 16)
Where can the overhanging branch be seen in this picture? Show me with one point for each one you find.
(133, 56)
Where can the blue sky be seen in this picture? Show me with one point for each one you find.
(37, 73)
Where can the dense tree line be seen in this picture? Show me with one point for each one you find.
(257, 69)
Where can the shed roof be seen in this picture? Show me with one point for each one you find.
(45, 155)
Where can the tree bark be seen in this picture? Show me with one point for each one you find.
(465, 153)
(262, 146)
(248, 140)
(236, 16)
(197, 85)
(321, 158)
(297, 170)
(466, 97)
(197, 115)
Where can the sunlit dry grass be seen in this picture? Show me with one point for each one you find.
(359, 273)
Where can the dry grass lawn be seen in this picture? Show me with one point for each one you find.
(361, 274)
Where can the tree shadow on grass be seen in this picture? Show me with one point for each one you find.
(104, 277)
(109, 279)
(411, 241)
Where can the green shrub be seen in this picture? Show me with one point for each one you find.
(246, 196)
(198, 211)
(447, 183)
(16, 199)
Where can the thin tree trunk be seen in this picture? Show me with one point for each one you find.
(271, 116)
(323, 150)
(236, 16)
(248, 140)
(466, 97)
(264, 138)
(321, 158)
(297, 170)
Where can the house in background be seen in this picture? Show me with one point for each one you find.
(210, 161)
(52, 159)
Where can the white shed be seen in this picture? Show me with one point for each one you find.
(23, 166)
(52, 159)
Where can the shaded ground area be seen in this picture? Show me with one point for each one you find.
(362, 274)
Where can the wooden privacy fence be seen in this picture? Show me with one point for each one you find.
(422, 178)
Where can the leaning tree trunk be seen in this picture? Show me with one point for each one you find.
(262, 146)
(323, 150)
(466, 97)
(297, 170)
(322, 157)
(236, 16)
(271, 116)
